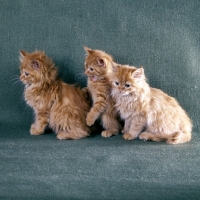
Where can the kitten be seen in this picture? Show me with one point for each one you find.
(62, 106)
(147, 109)
(97, 64)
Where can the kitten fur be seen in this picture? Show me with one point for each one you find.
(148, 112)
(97, 65)
(61, 106)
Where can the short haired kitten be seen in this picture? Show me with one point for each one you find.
(62, 106)
(148, 112)
(97, 64)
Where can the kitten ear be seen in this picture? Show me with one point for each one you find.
(115, 67)
(35, 64)
(101, 62)
(88, 50)
(22, 55)
(41, 55)
(138, 73)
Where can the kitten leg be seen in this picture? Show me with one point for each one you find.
(150, 136)
(111, 125)
(126, 126)
(95, 111)
(39, 125)
(136, 126)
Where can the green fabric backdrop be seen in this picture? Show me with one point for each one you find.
(162, 36)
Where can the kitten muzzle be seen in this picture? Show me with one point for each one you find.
(93, 78)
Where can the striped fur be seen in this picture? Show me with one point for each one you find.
(97, 65)
(61, 106)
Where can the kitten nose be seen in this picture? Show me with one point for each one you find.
(120, 89)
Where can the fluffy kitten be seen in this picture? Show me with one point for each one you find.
(62, 106)
(147, 109)
(97, 64)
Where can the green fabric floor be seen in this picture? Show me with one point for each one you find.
(42, 167)
(162, 36)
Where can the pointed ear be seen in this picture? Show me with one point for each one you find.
(22, 55)
(42, 55)
(35, 64)
(100, 62)
(138, 73)
(88, 50)
(115, 67)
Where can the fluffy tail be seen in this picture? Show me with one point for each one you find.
(179, 137)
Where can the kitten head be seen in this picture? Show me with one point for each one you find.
(127, 81)
(97, 64)
(36, 68)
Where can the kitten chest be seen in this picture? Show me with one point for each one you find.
(125, 108)
(38, 101)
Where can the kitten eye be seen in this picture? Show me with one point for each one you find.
(26, 74)
(116, 83)
(91, 69)
(127, 85)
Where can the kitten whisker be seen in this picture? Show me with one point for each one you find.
(81, 75)
(97, 65)
(56, 100)
(15, 80)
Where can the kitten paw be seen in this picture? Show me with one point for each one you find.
(150, 136)
(89, 120)
(143, 136)
(128, 136)
(107, 133)
(61, 136)
(35, 130)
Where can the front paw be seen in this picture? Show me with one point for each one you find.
(35, 130)
(89, 120)
(106, 134)
(128, 136)
(144, 136)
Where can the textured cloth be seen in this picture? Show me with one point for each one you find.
(162, 36)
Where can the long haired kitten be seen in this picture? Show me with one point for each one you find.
(148, 112)
(97, 64)
(62, 106)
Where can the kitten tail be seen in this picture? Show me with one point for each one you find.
(179, 137)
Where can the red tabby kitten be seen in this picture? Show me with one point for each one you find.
(148, 110)
(62, 106)
(97, 64)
